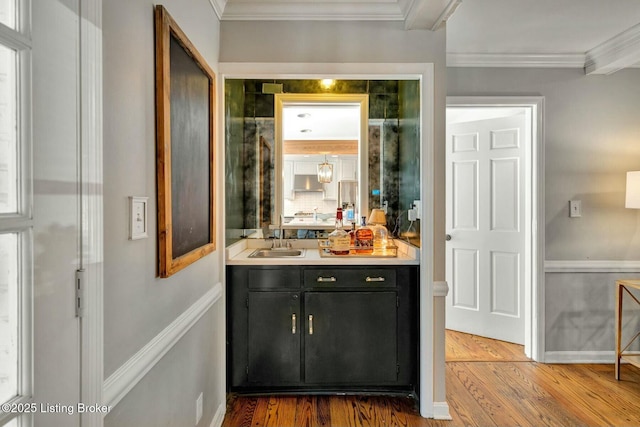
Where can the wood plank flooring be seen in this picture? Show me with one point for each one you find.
(489, 383)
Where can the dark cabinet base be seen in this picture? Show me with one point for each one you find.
(334, 329)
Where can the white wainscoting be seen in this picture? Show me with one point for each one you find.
(575, 275)
(133, 370)
(591, 266)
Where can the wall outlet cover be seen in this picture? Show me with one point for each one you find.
(575, 208)
(199, 409)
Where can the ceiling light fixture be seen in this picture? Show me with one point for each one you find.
(325, 172)
(326, 83)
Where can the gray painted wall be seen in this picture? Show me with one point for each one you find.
(592, 136)
(137, 304)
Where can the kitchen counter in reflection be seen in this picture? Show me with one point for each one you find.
(238, 254)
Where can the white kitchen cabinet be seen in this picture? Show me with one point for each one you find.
(303, 167)
(348, 169)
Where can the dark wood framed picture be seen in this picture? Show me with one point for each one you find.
(185, 136)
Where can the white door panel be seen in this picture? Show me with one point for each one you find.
(464, 291)
(485, 217)
(464, 182)
(56, 214)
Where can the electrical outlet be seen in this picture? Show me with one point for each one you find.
(198, 409)
(411, 213)
(417, 208)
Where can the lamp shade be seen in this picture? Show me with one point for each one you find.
(633, 190)
(377, 217)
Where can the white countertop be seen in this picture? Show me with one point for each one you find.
(238, 254)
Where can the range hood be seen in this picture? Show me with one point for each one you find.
(306, 183)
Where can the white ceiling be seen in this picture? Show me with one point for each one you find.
(321, 122)
(601, 36)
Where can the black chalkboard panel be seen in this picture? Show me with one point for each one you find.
(190, 192)
(185, 105)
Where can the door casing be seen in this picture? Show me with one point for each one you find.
(534, 285)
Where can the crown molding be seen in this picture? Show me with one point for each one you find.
(513, 60)
(446, 14)
(218, 7)
(618, 52)
(312, 11)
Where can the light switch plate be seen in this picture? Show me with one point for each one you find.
(138, 217)
(575, 208)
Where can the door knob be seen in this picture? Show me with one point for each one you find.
(447, 237)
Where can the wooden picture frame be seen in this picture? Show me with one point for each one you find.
(185, 137)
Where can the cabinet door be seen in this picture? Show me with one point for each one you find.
(274, 338)
(350, 337)
(305, 168)
(348, 169)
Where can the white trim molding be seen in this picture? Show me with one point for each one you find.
(516, 60)
(440, 289)
(535, 286)
(441, 411)
(579, 357)
(91, 187)
(218, 417)
(132, 371)
(591, 266)
(618, 52)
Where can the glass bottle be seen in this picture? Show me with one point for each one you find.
(339, 240)
(352, 234)
(364, 238)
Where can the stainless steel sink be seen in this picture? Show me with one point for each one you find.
(277, 253)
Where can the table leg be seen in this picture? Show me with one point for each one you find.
(619, 289)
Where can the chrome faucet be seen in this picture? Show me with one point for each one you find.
(280, 235)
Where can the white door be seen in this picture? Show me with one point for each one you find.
(485, 200)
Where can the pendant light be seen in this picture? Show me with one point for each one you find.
(325, 172)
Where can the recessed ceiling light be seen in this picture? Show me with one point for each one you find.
(305, 130)
(304, 115)
(326, 83)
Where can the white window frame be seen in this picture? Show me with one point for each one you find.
(22, 221)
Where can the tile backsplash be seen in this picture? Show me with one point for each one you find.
(307, 201)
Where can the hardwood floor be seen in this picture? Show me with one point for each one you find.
(489, 383)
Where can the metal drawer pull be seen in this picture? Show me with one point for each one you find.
(326, 279)
(311, 324)
(374, 279)
(293, 323)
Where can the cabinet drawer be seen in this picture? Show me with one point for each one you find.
(274, 278)
(343, 278)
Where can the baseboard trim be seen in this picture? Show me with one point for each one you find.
(441, 411)
(580, 357)
(591, 266)
(218, 417)
(133, 370)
